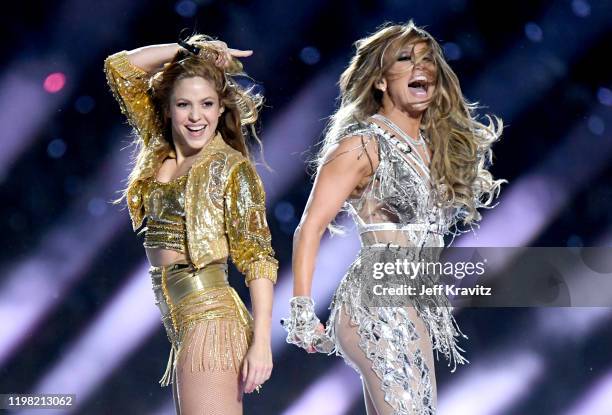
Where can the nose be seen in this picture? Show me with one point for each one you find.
(420, 64)
(194, 114)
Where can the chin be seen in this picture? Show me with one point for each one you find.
(196, 141)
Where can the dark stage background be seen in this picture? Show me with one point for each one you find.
(77, 313)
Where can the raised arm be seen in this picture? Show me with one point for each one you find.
(152, 58)
(128, 75)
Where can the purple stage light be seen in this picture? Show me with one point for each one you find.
(334, 258)
(597, 400)
(116, 332)
(332, 394)
(26, 106)
(491, 385)
(33, 287)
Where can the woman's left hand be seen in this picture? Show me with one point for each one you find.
(257, 366)
(226, 54)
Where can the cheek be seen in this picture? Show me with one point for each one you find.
(212, 114)
(178, 115)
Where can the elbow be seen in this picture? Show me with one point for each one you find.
(308, 230)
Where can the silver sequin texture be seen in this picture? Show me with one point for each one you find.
(396, 214)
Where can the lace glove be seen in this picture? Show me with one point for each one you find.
(302, 325)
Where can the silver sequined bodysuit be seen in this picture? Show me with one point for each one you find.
(396, 217)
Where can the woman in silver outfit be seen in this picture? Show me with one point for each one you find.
(405, 156)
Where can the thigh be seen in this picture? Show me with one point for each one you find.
(208, 367)
(209, 393)
(347, 337)
(417, 352)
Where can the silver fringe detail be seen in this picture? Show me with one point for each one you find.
(302, 325)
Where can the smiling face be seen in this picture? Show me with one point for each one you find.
(194, 110)
(410, 81)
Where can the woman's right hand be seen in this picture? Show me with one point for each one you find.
(320, 330)
(304, 328)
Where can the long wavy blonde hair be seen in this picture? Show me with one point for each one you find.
(461, 144)
(237, 122)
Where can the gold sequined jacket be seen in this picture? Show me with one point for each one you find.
(224, 197)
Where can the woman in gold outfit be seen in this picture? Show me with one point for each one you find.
(195, 187)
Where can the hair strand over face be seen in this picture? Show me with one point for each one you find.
(461, 144)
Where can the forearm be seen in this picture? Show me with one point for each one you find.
(306, 241)
(151, 58)
(262, 294)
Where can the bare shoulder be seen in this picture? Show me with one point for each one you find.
(355, 151)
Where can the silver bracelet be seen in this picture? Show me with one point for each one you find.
(302, 322)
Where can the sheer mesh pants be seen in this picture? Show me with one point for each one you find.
(205, 392)
(347, 338)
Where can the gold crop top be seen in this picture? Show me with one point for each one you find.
(224, 199)
(164, 205)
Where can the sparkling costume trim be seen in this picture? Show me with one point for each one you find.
(201, 303)
(165, 212)
(396, 217)
(302, 324)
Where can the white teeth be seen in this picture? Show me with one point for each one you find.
(194, 129)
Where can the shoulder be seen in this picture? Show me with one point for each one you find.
(243, 183)
(363, 133)
(244, 172)
(356, 148)
(363, 128)
(222, 159)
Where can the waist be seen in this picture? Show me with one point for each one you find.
(183, 279)
(399, 227)
(166, 235)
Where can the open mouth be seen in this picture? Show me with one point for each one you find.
(419, 87)
(195, 130)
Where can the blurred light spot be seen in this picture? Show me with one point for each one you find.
(604, 95)
(452, 51)
(284, 211)
(84, 104)
(56, 148)
(96, 206)
(288, 228)
(72, 185)
(596, 125)
(310, 55)
(581, 8)
(575, 241)
(54, 82)
(186, 8)
(533, 32)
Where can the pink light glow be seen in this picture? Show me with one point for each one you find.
(54, 82)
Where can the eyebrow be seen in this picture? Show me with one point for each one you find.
(411, 52)
(186, 99)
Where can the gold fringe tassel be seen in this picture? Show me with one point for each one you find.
(170, 367)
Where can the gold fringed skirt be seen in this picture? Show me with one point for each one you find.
(203, 315)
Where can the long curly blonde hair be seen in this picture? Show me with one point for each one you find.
(237, 122)
(461, 144)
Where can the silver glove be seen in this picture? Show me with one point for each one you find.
(302, 326)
